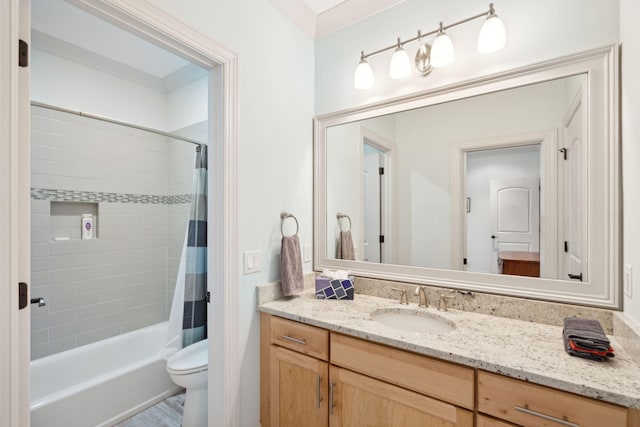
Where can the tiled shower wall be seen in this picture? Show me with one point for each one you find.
(123, 279)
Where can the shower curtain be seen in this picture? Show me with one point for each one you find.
(194, 321)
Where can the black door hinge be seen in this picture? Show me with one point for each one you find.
(381, 239)
(464, 261)
(564, 152)
(23, 53)
(566, 246)
(208, 297)
(23, 295)
(381, 171)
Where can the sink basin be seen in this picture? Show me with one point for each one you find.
(413, 321)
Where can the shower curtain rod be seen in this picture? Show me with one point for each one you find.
(117, 122)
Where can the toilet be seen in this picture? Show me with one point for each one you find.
(188, 369)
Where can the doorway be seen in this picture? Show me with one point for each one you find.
(222, 73)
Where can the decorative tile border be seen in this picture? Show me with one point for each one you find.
(99, 197)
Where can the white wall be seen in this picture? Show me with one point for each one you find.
(60, 82)
(536, 31)
(188, 104)
(630, 40)
(275, 61)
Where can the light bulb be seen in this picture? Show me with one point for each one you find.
(492, 35)
(363, 77)
(442, 53)
(400, 65)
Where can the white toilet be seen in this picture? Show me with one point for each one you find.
(188, 369)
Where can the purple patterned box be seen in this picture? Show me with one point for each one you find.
(327, 288)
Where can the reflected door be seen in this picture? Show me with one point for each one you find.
(373, 163)
(573, 194)
(515, 216)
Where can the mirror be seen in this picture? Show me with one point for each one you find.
(507, 185)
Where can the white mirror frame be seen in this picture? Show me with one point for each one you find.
(603, 207)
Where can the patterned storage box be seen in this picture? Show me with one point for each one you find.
(334, 288)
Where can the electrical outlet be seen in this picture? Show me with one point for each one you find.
(306, 256)
(251, 262)
(628, 280)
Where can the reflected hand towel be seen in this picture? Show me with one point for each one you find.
(345, 246)
(291, 266)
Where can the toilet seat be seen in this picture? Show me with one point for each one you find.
(189, 360)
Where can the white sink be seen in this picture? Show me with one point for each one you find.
(413, 321)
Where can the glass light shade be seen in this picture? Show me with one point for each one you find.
(363, 77)
(492, 35)
(442, 53)
(400, 65)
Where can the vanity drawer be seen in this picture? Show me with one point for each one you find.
(534, 405)
(484, 421)
(300, 337)
(442, 380)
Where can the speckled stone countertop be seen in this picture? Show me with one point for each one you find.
(519, 349)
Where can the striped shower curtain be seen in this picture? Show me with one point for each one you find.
(194, 324)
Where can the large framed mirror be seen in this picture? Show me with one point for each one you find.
(509, 184)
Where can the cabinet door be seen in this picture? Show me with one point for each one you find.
(356, 400)
(298, 389)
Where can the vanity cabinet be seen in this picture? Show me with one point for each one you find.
(312, 377)
(534, 405)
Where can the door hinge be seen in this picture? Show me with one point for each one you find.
(566, 246)
(464, 261)
(208, 297)
(564, 153)
(23, 53)
(381, 239)
(381, 171)
(23, 295)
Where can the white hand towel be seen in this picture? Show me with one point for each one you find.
(291, 266)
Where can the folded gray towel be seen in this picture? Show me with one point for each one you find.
(586, 332)
(345, 246)
(291, 266)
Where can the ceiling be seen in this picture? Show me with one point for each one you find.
(319, 18)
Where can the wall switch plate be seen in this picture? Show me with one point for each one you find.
(628, 280)
(306, 253)
(251, 262)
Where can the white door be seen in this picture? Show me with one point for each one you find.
(372, 159)
(574, 227)
(515, 216)
(14, 215)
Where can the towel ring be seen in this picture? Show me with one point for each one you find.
(283, 217)
(341, 216)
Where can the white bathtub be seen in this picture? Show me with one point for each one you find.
(102, 383)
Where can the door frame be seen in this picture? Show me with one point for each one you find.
(369, 137)
(149, 22)
(548, 140)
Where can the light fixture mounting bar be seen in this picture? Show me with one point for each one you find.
(444, 27)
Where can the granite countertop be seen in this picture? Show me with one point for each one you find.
(525, 350)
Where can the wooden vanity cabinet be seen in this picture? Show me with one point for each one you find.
(532, 405)
(357, 383)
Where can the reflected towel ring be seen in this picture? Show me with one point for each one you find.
(340, 216)
(283, 217)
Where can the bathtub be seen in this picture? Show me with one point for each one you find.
(102, 383)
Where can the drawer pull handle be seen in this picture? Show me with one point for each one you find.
(295, 340)
(318, 390)
(331, 403)
(528, 411)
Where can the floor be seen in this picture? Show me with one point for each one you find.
(167, 413)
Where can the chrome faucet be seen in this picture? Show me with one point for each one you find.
(421, 291)
(403, 296)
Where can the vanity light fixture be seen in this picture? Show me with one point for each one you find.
(492, 38)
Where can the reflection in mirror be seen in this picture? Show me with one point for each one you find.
(506, 184)
(397, 175)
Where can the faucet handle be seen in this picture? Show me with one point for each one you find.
(442, 301)
(403, 296)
